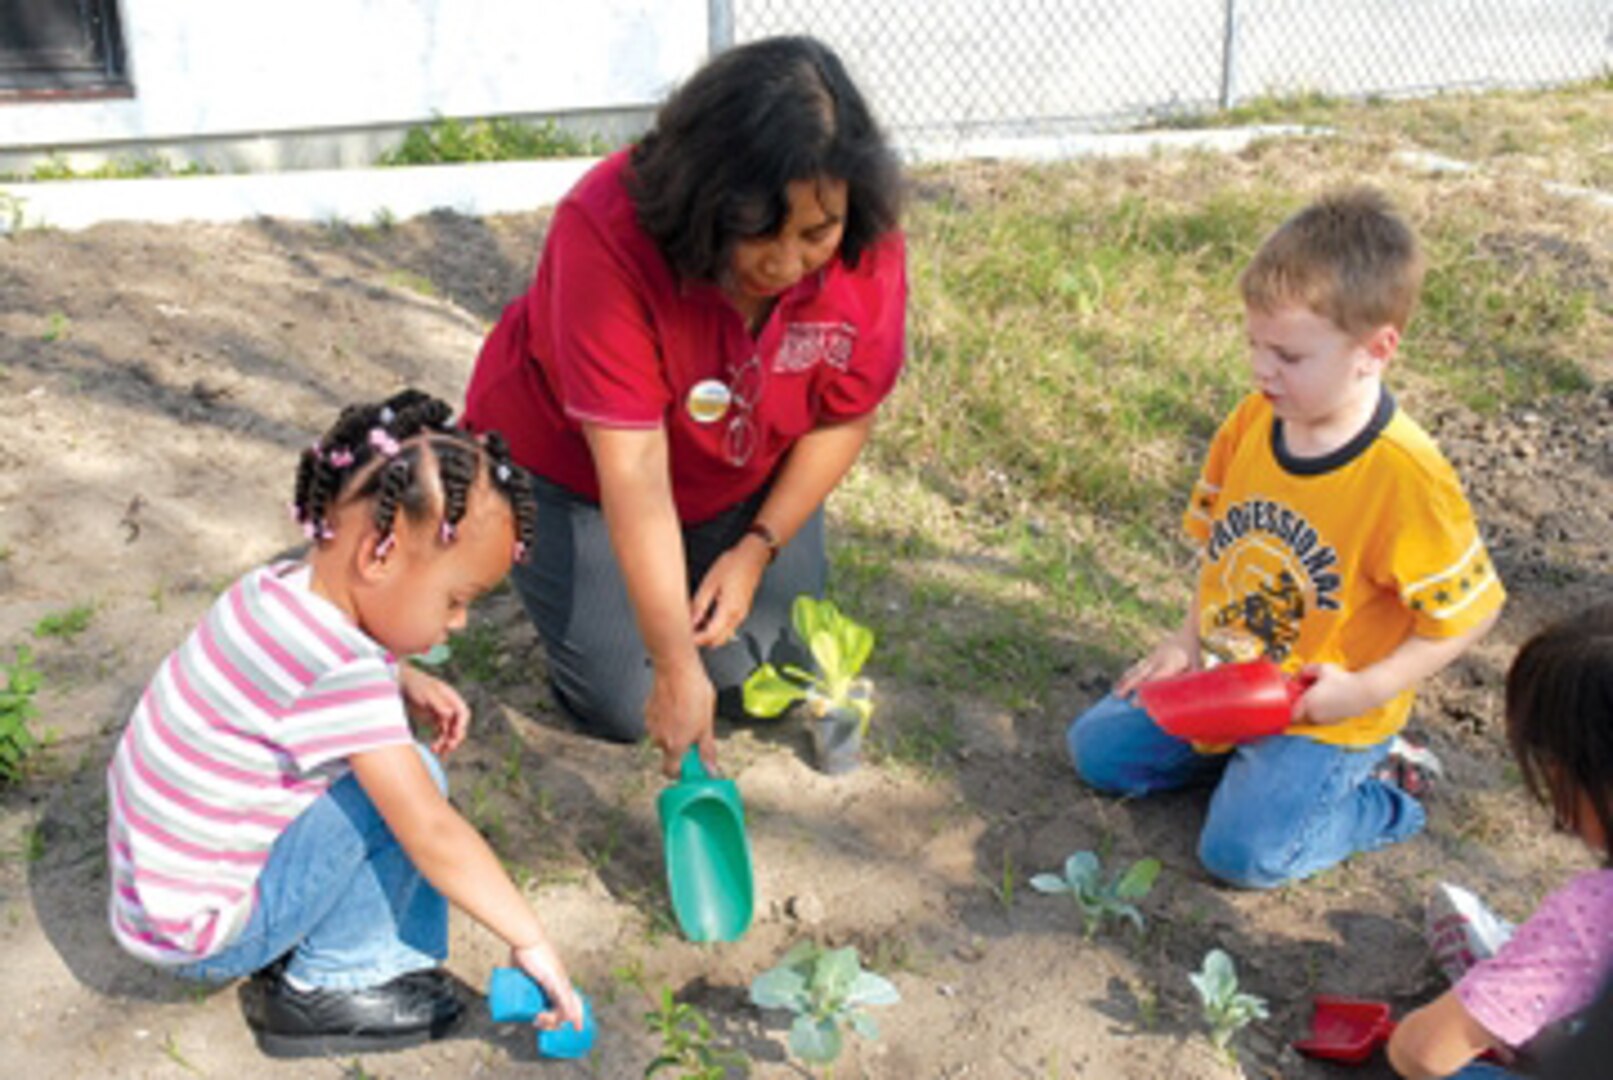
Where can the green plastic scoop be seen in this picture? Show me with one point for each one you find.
(708, 866)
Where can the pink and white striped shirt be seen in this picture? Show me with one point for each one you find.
(243, 726)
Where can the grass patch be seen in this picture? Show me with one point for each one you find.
(121, 167)
(447, 140)
(1076, 336)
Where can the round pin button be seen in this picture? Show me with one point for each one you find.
(708, 400)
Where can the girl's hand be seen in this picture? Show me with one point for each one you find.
(434, 702)
(1172, 656)
(1333, 694)
(725, 595)
(542, 963)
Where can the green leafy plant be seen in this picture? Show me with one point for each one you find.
(824, 988)
(1099, 900)
(65, 624)
(1226, 1010)
(16, 709)
(447, 140)
(840, 647)
(686, 1046)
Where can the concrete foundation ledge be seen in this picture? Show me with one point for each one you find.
(355, 196)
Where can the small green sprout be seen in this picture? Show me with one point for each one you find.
(17, 708)
(1226, 1010)
(686, 1042)
(1096, 899)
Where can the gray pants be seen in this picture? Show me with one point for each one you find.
(575, 595)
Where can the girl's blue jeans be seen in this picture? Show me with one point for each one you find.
(1284, 807)
(339, 894)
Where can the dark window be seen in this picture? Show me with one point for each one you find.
(52, 46)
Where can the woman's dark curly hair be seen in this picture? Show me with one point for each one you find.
(726, 145)
(1560, 716)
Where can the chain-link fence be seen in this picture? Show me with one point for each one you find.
(939, 69)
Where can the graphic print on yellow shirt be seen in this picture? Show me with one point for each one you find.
(1336, 559)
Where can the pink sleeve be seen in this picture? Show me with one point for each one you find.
(1553, 966)
(881, 334)
(607, 358)
(350, 709)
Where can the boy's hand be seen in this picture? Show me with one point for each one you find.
(1172, 657)
(434, 702)
(542, 963)
(1333, 694)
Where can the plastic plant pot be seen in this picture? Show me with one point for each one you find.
(837, 740)
(1232, 703)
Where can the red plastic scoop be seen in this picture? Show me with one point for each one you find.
(1231, 703)
(1345, 1029)
(1348, 1030)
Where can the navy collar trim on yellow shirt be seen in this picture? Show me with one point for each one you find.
(1316, 466)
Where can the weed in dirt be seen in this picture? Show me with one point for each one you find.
(824, 989)
(1096, 899)
(685, 1035)
(17, 709)
(1226, 1009)
(484, 814)
(355, 1070)
(57, 327)
(65, 624)
(170, 1047)
(1003, 887)
(476, 653)
(410, 281)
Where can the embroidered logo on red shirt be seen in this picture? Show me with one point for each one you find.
(808, 344)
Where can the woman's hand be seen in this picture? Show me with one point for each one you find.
(542, 963)
(680, 713)
(434, 702)
(726, 593)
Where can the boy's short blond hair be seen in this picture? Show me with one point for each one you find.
(1349, 257)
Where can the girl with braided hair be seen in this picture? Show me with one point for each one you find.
(270, 811)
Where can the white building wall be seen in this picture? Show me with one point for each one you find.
(224, 69)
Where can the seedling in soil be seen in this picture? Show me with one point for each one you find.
(824, 988)
(1097, 900)
(840, 647)
(685, 1036)
(1226, 1010)
(65, 624)
(16, 709)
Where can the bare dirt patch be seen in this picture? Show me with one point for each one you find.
(156, 384)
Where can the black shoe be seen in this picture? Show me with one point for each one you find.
(410, 1010)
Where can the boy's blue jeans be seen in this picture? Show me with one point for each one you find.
(1284, 807)
(340, 895)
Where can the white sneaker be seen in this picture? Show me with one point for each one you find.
(1461, 931)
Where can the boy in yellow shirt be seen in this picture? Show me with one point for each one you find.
(1336, 540)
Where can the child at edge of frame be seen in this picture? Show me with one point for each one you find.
(270, 812)
(1559, 721)
(1334, 538)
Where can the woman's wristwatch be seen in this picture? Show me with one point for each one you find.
(766, 536)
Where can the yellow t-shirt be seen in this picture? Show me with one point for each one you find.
(1336, 559)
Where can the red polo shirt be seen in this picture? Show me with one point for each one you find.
(608, 335)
